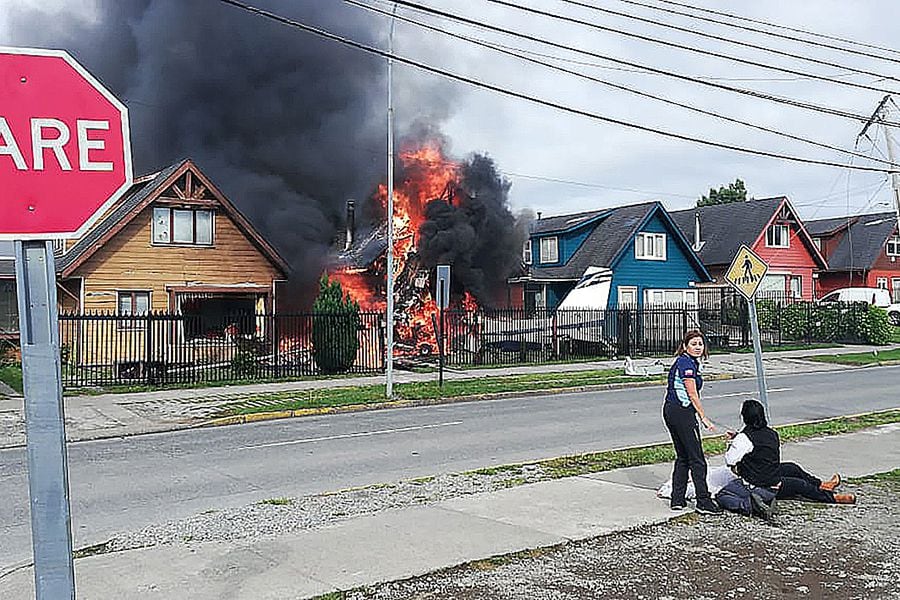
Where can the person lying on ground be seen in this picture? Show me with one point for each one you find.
(755, 456)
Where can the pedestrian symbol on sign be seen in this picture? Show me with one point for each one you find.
(746, 272)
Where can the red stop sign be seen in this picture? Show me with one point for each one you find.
(65, 152)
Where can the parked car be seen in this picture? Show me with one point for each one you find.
(875, 296)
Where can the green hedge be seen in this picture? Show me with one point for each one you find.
(809, 321)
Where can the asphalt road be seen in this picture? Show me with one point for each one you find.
(126, 484)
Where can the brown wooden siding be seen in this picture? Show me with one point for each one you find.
(130, 262)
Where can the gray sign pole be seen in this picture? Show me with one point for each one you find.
(757, 352)
(48, 479)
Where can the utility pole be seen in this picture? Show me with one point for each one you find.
(389, 343)
(879, 116)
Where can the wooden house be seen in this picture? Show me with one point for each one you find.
(862, 251)
(771, 228)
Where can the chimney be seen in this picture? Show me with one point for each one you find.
(351, 224)
(539, 215)
(698, 243)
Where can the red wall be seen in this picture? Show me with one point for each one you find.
(795, 260)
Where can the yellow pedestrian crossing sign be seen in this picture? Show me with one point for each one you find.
(746, 271)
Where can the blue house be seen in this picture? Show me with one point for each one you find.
(624, 256)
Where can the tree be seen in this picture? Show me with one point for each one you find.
(735, 192)
(335, 328)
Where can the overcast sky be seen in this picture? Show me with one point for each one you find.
(560, 163)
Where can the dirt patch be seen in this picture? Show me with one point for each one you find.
(809, 551)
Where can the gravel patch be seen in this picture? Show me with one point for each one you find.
(287, 515)
(809, 551)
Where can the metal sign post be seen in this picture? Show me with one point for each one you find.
(65, 158)
(442, 295)
(745, 274)
(48, 479)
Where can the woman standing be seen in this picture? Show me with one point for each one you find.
(681, 410)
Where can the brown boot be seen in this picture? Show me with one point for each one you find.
(845, 498)
(831, 484)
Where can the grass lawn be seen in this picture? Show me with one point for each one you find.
(771, 348)
(453, 388)
(859, 358)
(11, 375)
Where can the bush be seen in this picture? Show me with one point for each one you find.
(874, 326)
(336, 323)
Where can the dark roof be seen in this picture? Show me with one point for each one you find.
(863, 243)
(137, 194)
(724, 227)
(565, 222)
(823, 227)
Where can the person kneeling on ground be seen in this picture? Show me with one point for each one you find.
(755, 456)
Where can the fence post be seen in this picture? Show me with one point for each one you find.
(148, 348)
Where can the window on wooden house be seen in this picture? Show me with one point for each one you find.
(135, 303)
(893, 246)
(881, 283)
(182, 226)
(778, 236)
(526, 252)
(650, 246)
(549, 249)
(817, 242)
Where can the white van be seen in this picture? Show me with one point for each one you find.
(877, 296)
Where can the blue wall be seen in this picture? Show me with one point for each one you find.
(569, 242)
(673, 273)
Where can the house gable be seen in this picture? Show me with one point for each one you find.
(181, 184)
(799, 249)
(680, 270)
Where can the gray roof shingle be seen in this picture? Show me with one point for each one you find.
(724, 227)
(863, 243)
(823, 227)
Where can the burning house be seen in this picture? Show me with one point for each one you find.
(445, 212)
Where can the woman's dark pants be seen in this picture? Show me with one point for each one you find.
(682, 425)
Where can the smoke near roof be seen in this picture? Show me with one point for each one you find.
(287, 124)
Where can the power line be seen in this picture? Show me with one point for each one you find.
(507, 51)
(519, 95)
(791, 38)
(686, 48)
(727, 40)
(747, 92)
(784, 27)
(594, 185)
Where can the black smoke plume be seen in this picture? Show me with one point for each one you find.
(288, 125)
(476, 234)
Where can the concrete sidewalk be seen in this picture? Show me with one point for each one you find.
(407, 542)
(115, 415)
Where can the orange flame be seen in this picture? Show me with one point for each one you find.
(428, 175)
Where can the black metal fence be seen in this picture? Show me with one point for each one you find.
(162, 348)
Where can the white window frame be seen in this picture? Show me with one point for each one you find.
(817, 242)
(526, 252)
(688, 297)
(650, 246)
(549, 249)
(798, 292)
(892, 247)
(626, 289)
(169, 227)
(881, 283)
(771, 236)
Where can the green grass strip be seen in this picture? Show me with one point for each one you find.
(859, 358)
(581, 464)
(427, 390)
(11, 375)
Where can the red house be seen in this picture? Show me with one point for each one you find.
(862, 251)
(771, 228)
